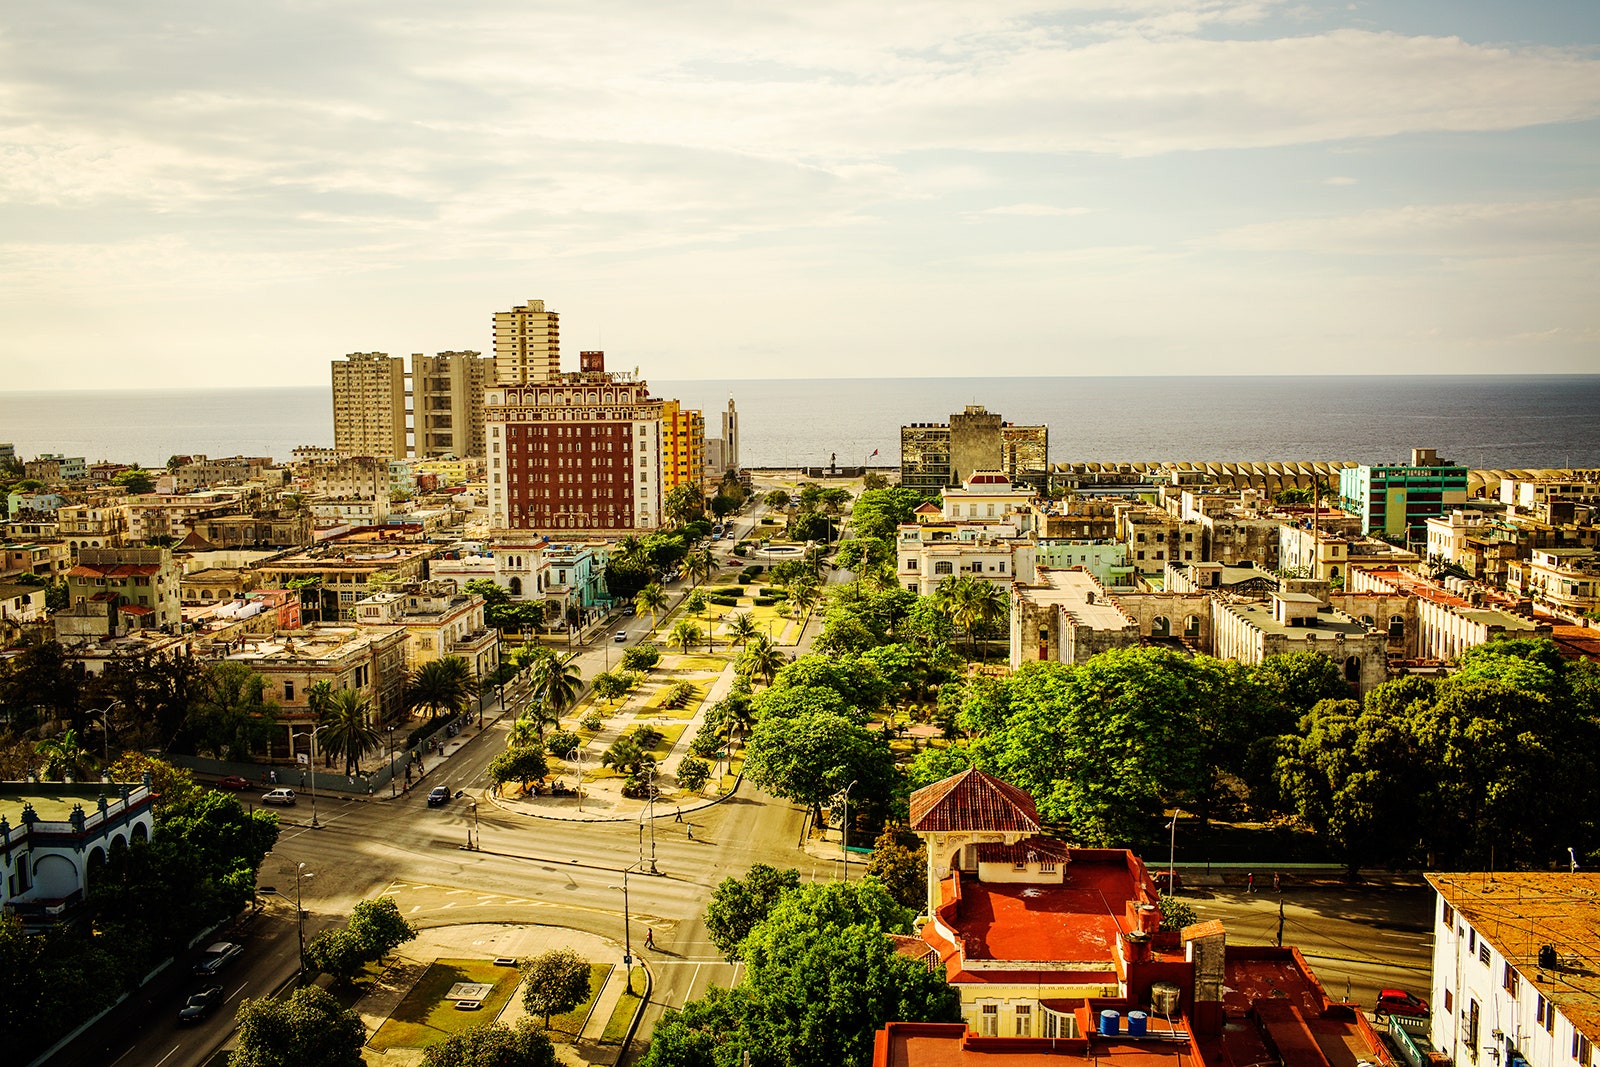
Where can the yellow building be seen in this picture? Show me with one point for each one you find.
(369, 405)
(683, 445)
(527, 345)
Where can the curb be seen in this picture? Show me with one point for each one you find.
(713, 802)
(638, 1012)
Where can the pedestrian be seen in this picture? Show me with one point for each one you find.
(1250, 882)
(691, 831)
(273, 775)
(650, 938)
(677, 814)
(1277, 886)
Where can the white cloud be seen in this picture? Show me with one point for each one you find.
(1034, 210)
(1466, 231)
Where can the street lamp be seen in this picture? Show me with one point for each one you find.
(299, 911)
(1172, 848)
(311, 760)
(627, 931)
(651, 785)
(474, 838)
(392, 793)
(105, 727)
(844, 830)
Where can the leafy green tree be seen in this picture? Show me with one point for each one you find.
(641, 657)
(854, 678)
(683, 503)
(561, 743)
(554, 983)
(524, 764)
(809, 758)
(610, 685)
(175, 787)
(1301, 680)
(693, 774)
(64, 756)
(337, 953)
(936, 764)
(899, 860)
(739, 628)
(493, 1045)
(695, 602)
(137, 482)
(379, 926)
(738, 904)
(308, 1028)
(232, 716)
(777, 500)
(1176, 914)
(760, 659)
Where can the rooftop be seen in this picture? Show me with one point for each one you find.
(973, 800)
(1329, 623)
(1075, 923)
(1077, 592)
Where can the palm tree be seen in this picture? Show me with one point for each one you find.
(685, 633)
(761, 659)
(985, 605)
(441, 685)
(699, 564)
(64, 756)
(804, 593)
(349, 731)
(740, 628)
(555, 685)
(651, 598)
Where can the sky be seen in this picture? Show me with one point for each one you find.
(238, 192)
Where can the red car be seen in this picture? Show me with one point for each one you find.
(233, 781)
(1399, 1002)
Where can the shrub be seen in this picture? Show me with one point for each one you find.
(591, 721)
(725, 601)
(679, 694)
(763, 601)
(740, 550)
(728, 590)
(774, 593)
(705, 744)
(693, 774)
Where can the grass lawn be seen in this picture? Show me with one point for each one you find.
(669, 737)
(622, 1015)
(425, 1017)
(570, 1025)
(700, 663)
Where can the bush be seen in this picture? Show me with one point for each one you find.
(741, 549)
(591, 721)
(679, 694)
(768, 521)
(724, 601)
(774, 593)
(763, 601)
(728, 590)
(705, 744)
(693, 774)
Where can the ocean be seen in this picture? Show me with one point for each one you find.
(1498, 422)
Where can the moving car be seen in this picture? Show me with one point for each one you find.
(215, 958)
(200, 1005)
(438, 796)
(1399, 1002)
(622, 635)
(235, 782)
(279, 796)
(630, 609)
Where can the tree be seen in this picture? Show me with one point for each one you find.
(63, 756)
(739, 628)
(1176, 914)
(737, 904)
(348, 730)
(524, 764)
(683, 503)
(653, 599)
(685, 633)
(233, 716)
(441, 685)
(760, 659)
(336, 953)
(810, 757)
(777, 500)
(641, 657)
(556, 682)
(610, 685)
(693, 774)
(554, 983)
(137, 482)
(700, 564)
(379, 927)
(306, 1029)
(562, 743)
(174, 786)
(899, 861)
(493, 1045)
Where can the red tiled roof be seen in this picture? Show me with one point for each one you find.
(115, 570)
(136, 609)
(1029, 849)
(103, 598)
(973, 800)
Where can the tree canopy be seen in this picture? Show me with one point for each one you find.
(308, 1028)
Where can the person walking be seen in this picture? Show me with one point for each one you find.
(691, 831)
(1277, 886)
(1250, 882)
(650, 938)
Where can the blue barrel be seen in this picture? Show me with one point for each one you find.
(1136, 1021)
(1110, 1023)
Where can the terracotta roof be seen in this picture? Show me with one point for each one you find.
(136, 609)
(113, 570)
(973, 800)
(1564, 910)
(1029, 849)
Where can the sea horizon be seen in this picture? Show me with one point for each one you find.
(1495, 421)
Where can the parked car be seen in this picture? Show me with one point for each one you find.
(630, 609)
(216, 957)
(235, 782)
(284, 797)
(622, 635)
(1399, 1002)
(200, 1005)
(438, 796)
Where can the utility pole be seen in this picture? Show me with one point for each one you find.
(844, 831)
(1280, 921)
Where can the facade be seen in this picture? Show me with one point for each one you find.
(359, 477)
(137, 588)
(47, 559)
(92, 525)
(55, 838)
(1300, 622)
(155, 515)
(934, 456)
(930, 552)
(1106, 560)
(202, 472)
(447, 401)
(1563, 580)
(440, 622)
(1516, 968)
(1397, 501)
(346, 568)
(683, 445)
(1066, 616)
(579, 454)
(369, 405)
(52, 468)
(1434, 623)
(527, 345)
(1154, 538)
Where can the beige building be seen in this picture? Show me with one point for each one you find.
(92, 525)
(369, 405)
(934, 456)
(345, 478)
(1563, 580)
(1300, 622)
(527, 344)
(440, 621)
(447, 403)
(111, 591)
(930, 552)
(1066, 616)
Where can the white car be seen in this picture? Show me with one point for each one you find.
(622, 635)
(284, 797)
(215, 958)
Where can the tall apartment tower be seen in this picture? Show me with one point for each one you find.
(935, 456)
(683, 445)
(369, 405)
(527, 345)
(574, 454)
(447, 401)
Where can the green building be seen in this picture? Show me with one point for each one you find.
(1396, 501)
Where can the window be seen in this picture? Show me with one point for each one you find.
(1472, 1029)
(1020, 865)
(1472, 940)
(1047, 866)
(288, 691)
(1483, 953)
(990, 1026)
(1024, 1017)
(1449, 1002)
(944, 566)
(1510, 981)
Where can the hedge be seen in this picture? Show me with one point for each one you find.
(763, 602)
(729, 590)
(776, 594)
(724, 601)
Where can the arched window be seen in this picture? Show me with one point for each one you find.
(1191, 626)
(1352, 669)
(1397, 626)
(516, 586)
(944, 566)
(1160, 626)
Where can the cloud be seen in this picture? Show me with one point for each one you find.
(1340, 179)
(1468, 231)
(1034, 210)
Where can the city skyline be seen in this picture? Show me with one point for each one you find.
(1161, 187)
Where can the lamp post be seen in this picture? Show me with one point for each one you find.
(311, 760)
(299, 911)
(651, 785)
(627, 931)
(1172, 848)
(392, 793)
(576, 756)
(474, 839)
(105, 728)
(844, 830)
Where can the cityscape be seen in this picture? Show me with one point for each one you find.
(527, 721)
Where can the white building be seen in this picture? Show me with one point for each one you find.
(55, 837)
(1516, 968)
